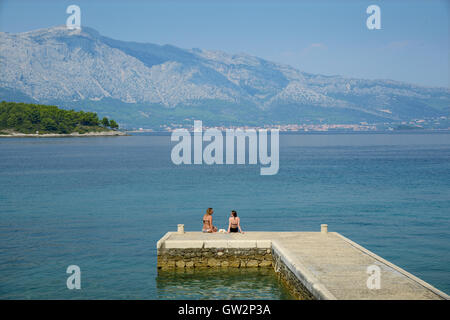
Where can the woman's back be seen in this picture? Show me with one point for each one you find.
(206, 218)
(207, 221)
(234, 222)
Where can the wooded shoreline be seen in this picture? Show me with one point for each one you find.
(110, 133)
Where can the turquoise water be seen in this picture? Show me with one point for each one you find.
(220, 283)
(102, 203)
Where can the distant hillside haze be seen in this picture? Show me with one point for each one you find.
(147, 85)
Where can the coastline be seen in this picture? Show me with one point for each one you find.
(63, 135)
(301, 132)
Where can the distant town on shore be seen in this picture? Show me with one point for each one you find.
(436, 124)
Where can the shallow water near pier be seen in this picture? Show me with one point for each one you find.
(102, 203)
(221, 284)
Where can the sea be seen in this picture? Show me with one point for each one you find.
(102, 203)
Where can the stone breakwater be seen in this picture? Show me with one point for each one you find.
(290, 280)
(233, 258)
(214, 257)
(228, 254)
(313, 265)
(213, 253)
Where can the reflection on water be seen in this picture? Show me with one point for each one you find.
(220, 283)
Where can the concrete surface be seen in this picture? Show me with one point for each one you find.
(328, 264)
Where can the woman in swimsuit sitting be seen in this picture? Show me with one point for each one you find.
(235, 223)
(207, 222)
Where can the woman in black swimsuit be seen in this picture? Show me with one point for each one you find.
(234, 224)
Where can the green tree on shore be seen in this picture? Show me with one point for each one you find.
(29, 118)
(105, 122)
(113, 124)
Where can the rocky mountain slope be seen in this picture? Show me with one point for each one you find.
(142, 84)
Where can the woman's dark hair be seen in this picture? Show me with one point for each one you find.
(234, 213)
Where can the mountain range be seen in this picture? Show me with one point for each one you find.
(149, 85)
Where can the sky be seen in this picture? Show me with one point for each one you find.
(321, 37)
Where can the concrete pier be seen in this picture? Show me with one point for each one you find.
(317, 265)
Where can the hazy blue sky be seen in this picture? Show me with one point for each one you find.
(326, 37)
